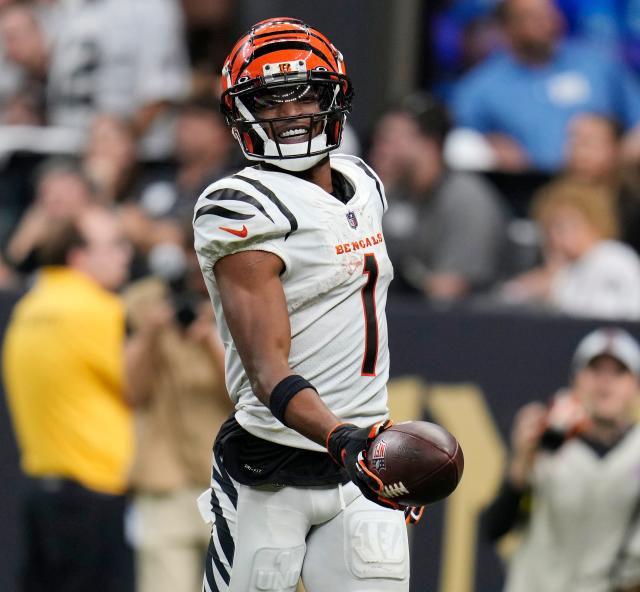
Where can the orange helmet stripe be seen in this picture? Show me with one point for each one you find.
(277, 38)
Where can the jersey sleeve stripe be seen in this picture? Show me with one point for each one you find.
(370, 174)
(234, 195)
(293, 222)
(215, 210)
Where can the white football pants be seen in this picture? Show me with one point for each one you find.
(265, 538)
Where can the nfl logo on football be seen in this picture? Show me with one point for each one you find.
(377, 456)
(353, 221)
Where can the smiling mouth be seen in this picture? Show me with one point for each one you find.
(294, 135)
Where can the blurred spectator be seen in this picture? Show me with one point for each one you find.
(63, 371)
(123, 58)
(177, 385)
(157, 220)
(204, 150)
(523, 99)
(62, 192)
(25, 59)
(586, 272)
(462, 33)
(593, 149)
(568, 484)
(444, 229)
(210, 32)
(594, 157)
(610, 25)
(109, 159)
(391, 147)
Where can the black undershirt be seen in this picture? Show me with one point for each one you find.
(253, 461)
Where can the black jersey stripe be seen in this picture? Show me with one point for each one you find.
(222, 212)
(277, 46)
(232, 493)
(293, 222)
(235, 195)
(227, 487)
(214, 558)
(369, 173)
(208, 568)
(222, 529)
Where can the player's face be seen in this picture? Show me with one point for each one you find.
(294, 102)
(608, 390)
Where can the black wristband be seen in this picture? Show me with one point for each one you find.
(284, 391)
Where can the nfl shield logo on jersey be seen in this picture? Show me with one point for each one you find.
(377, 455)
(353, 221)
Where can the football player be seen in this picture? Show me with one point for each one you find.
(294, 258)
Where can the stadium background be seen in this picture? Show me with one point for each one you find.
(467, 368)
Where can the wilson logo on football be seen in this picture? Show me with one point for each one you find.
(377, 456)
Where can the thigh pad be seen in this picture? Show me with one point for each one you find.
(376, 545)
(277, 569)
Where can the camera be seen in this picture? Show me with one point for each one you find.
(566, 419)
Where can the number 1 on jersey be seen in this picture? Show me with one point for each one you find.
(370, 316)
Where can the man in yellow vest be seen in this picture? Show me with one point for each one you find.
(63, 372)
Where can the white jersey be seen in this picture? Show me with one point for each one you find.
(336, 277)
(582, 504)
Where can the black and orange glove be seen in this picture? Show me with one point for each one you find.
(412, 514)
(348, 445)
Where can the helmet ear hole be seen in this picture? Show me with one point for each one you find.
(248, 142)
(336, 133)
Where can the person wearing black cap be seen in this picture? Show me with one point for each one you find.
(575, 467)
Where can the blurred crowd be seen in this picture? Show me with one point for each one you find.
(109, 102)
(513, 179)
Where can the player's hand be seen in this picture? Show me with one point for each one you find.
(413, 514)
(348, 445)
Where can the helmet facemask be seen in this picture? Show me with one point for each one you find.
(273, 139)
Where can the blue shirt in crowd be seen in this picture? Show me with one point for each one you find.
(534, 104)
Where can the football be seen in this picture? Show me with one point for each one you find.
(418, 462)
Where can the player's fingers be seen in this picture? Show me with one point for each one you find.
(377, 429)
(372, 496)
(413, 514)
(370, 478)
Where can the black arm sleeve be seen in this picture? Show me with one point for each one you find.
(503, 513)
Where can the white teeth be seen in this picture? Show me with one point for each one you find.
(293, 132)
